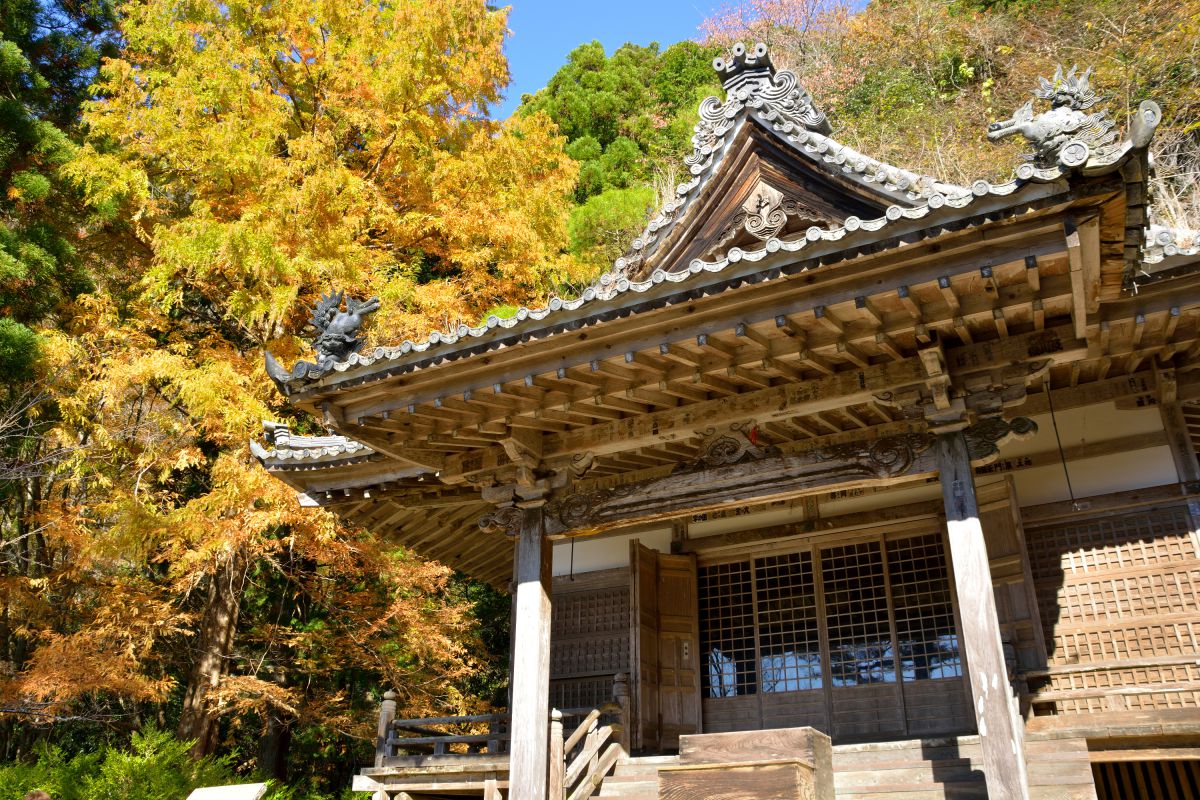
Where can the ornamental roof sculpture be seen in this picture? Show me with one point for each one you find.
(1168, 253)
(1065, 134)
(772, 231)
(335, 337)
(289, 452)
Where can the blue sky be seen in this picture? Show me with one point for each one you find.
(544, 31)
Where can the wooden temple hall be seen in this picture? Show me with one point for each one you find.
(844, 482)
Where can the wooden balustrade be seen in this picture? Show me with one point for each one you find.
(579, 761)
(582, 760)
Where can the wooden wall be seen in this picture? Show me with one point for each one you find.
(1119, 592)
(589, 637)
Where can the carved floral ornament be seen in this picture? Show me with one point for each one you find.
(731, 445)
(764, 215)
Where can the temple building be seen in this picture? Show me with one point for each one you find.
(843, 482)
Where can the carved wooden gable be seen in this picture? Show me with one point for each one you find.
(765, 166)
(763, 191)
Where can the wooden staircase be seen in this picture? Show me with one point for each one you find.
(952, 769)
(918, 769)
(635, 778)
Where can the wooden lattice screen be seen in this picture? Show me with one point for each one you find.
(857, 639)
(589, 638)
(1135, 780)
(1119, 597)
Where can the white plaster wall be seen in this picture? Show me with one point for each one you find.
(1046, 481)
(604, 552)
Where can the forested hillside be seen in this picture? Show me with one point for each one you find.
(910, 82)
(181, 179)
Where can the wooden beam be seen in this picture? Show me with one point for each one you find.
(781, 402)
(719, 313)
(1001, 733)
(530, 677)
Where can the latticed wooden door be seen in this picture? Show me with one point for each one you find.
(665, 638)
(856, 638)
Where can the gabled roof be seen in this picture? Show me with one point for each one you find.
(797, 256)
(762, 107)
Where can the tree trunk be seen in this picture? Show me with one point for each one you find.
(276, 744)
(214, 647)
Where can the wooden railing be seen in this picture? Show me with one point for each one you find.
(582, 760)
(578, 762)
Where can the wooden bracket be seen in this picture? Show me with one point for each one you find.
(523, 446)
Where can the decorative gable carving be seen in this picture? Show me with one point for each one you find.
(766, 214)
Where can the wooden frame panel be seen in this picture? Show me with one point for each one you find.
(850, 712)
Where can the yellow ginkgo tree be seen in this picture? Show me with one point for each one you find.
(240, 159)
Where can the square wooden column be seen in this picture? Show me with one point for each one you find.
(1001, 731)
(529, 750)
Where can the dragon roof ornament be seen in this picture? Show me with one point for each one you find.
(335, 335)
(1067, 136)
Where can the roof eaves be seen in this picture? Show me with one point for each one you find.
(616, 294)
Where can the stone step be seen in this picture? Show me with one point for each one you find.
(942, 791)
(912, 775)
(643, 765)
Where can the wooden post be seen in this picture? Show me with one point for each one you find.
(621, 698)
(529, 750)
(1001, 732)
(558, 764)
(1187, 467)
(387, 713)
(1175, 426)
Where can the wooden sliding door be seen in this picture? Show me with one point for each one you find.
(665, 640)
(858, 639)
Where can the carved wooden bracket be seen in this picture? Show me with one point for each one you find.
(506, 519)
(733, 469)
(985, 437)
(732, 444)
(950, 405)
(519, 482)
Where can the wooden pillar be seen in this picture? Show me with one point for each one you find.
(1001, 732)
(387, 713)
(1187, 467)
(530, 680)
(1175, 426)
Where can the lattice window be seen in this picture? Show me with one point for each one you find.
(925, 631)
(590, 633)
(1117, 588)
(856, 607)
(589, 644)
(789, 640)
(1129, 641)
(727, 630)
(581, 692)
(591, 612)
(1155, 593)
